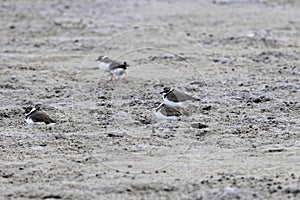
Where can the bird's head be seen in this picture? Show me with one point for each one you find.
(100, 58)
(166, 90)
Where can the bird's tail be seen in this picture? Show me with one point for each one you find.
(52, 121)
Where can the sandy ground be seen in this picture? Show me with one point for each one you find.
(240, 57)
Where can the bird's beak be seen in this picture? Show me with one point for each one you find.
(161, 92)
(97, 60)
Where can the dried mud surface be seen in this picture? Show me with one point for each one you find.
(240, 57)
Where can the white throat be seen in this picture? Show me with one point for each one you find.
(28, 114)
(166, 94)
(104, 57)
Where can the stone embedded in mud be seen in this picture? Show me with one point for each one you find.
(207, 107)
(201, 133)
(222, 60)
(4, 115)
(275, 150)
(145, 120)
(52, 196)
(260, 99)
(116, 134)
(292, 189)
(199, 125)
(107, 105)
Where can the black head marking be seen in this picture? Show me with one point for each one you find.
(99, 58)
(166, 90)
(124, 65)
(27, 109)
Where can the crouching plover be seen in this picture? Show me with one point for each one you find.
(112, 67)
(175, 98)
(165, 112)
(33, 115)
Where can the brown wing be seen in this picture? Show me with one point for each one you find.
(177, 96)
(170, 111)
(41, 117)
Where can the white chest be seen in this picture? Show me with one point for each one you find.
(160, 116)
(174, 104)
(118, 71)
(104, 66)
(29, 120)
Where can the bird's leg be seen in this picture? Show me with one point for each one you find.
(178, 108)
(111, 76)
(126, 76)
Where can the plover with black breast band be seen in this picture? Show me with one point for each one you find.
(165, 112)
(112, 67)
(33, 115)
(175, 98)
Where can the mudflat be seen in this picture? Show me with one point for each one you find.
(239, 57)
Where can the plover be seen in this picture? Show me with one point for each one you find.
(175, 98)
(165, 112)
(112, 67)
(34, 115)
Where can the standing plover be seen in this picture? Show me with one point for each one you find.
(33, 115)
(165, 112)
(175, 98)
(112, 67)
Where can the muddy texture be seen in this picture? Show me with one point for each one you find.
(239, 57)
